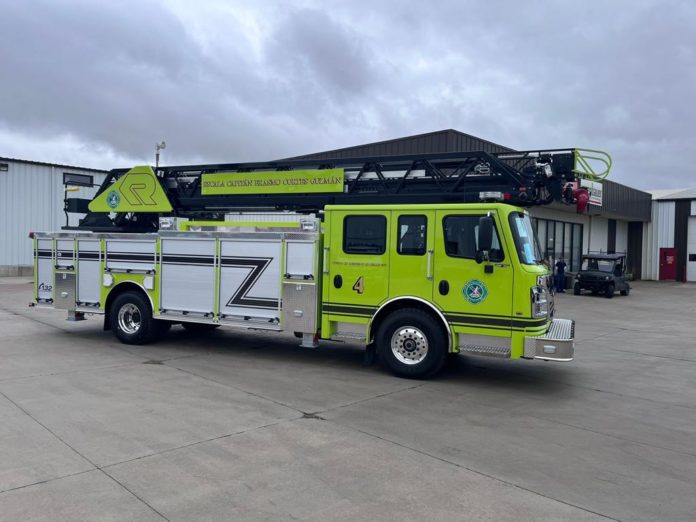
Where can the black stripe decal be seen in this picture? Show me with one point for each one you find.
(84, 256)
(114, 256)
(44, 253)
(257, 265)
(348, 310)
(501, 321)
(188, 260)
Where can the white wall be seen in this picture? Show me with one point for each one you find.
(599, 234)
(659, 233)
(691, 245)
(31, 200)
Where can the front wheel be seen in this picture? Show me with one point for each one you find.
(131, 320)
(576, 289)
(411, 344)
(609, 291)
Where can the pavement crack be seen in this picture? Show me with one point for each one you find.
(133, 493)
(46, 481)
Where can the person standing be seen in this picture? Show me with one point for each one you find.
(560, 276)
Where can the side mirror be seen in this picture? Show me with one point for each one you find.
(485, 238)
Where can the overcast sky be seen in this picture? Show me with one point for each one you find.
(99, 83)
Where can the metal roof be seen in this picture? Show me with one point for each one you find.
(447, 140)
(45, 164)
(672, 194)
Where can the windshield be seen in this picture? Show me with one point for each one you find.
(525, 239)
(603, 265)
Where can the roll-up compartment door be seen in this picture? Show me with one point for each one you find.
(44, 270)
(88, 271)
(188, 275)
(250, 278)
(124, 255)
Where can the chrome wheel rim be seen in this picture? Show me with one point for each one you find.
(129, 318)
(409, 345)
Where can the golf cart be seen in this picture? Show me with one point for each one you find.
(602, 273)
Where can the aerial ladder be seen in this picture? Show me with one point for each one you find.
(526, 179)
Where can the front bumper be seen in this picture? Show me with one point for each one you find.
(557, 344)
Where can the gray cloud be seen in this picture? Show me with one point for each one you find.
(99, 83)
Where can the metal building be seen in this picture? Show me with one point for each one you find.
(31, 199)
(614, 226)
(670, 237)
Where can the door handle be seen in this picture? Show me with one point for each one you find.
(325, 261)
(338, 281)
(429, 261)
(443, 287)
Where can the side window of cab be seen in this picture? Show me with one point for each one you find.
(461, 238)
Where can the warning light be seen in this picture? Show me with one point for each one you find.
(582, 199)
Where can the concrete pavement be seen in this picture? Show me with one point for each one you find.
(248, 426)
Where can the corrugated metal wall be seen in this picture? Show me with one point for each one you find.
(622, 202)
(31, 199)
(659, 233)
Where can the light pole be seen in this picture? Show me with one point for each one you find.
(158, 148)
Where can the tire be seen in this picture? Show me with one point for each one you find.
(609, 291)
(576, 289)
(627, 291)
(131, 320)
(411, 344)
(199, 327)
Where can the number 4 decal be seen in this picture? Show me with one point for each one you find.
(359, 285)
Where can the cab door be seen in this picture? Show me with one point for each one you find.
(475, 297)
(358, 276)
(411, 263)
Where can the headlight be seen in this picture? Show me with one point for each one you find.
(577, 276)
(540, 303)
(607, 278)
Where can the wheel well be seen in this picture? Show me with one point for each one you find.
(126, 286)
(408, 302)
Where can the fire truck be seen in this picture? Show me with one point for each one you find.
(416, 257)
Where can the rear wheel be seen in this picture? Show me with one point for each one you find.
(131, 320)
(411, 344)
(609, 291)
(576, 289)
(626, 291)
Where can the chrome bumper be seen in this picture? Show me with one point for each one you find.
(557, 344)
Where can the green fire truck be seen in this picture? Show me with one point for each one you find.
(416, 256)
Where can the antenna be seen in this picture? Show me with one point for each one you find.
(158, 148)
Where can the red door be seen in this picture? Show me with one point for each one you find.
(668, 264)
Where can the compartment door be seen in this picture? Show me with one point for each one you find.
(188, 276)
(88, 271)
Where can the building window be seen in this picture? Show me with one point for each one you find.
(4, 167)
(560, 239)
(412, 235)
(77, 180)
(365, 235)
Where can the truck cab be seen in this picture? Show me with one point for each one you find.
(408, 277)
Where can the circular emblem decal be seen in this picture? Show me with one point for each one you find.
(475, 291)
(113, 199)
